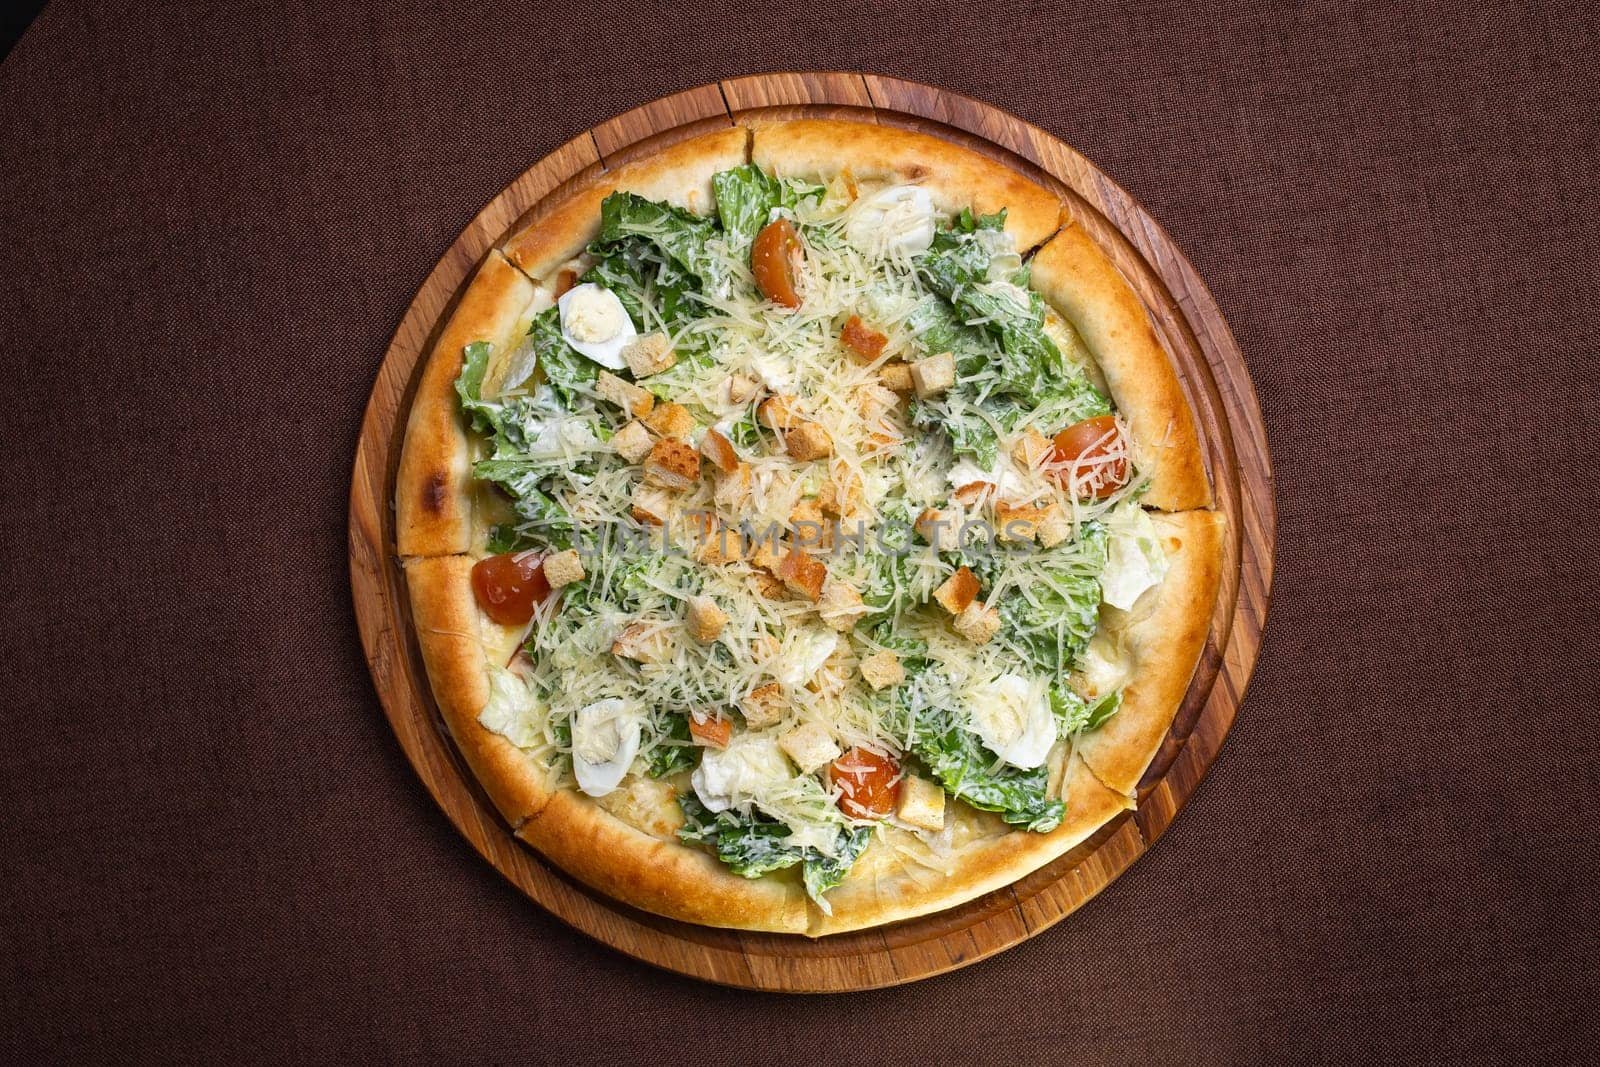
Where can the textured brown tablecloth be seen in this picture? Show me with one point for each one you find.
(211, 847)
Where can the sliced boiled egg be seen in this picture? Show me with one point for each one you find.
(605, 739)
(1012, 715)
(897, 219)
(594, 322)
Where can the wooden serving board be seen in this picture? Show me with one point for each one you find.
(1213, 374)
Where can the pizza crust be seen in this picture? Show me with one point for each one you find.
(1078, 280)
(661, 876)
(886, 886)
(450, 629)
(624, 846)
(1165, 640)
(679, 174)
(956, 177)
(433, 497)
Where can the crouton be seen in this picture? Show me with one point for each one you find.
(958, 591)
(769, 586)
(710, 729)
(873, 400)
(649, 354)
(632, 442)
(1021, 522)
(921, 803)
(941, 529)
(861, 342)
(840, 495)
(652, 505)
(764, 706)
(642, 642)
(841, 606)
(810, 745)
(836, 672)
(883, 438)
(977, 623)
(719, 450)
(803, 575)
(672, 465)
(1031, 448)
(972, 492)
(563, 568)
(705, 619)
(776, 412)
(807, 441)
(671, 420)
(766, 552)
(714, 543)
(1055, 527)
(741, 387)
(896, 377)
(733, 489)
(811, 529)
(882, 669)
(625, 395)
(933, 375)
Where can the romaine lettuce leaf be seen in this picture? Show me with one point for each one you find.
(681, 235)
(752, 845)
(957, 758)
(746, 198)
(1073, 713)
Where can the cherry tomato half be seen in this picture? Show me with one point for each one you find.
(509, 586)
(1083, 449)
(775, 261)
(869, 783)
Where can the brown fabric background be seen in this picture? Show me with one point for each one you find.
(211, 847)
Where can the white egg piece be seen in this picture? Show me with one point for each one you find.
(897, 219)
(605, 739)
(594, 323)
(1012, 715)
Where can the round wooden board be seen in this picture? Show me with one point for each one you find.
(1213, 374)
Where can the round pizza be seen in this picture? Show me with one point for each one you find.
(805, 529)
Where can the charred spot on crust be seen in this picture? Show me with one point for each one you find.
(433, 494)
(915, 172)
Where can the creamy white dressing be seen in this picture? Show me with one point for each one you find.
(734, 776)
(897, 219)
(1012, 715)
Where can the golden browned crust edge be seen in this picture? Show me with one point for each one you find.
(662, 877)
(449, 629)
(432, 491)
(904, 891)
(1076, 277)
(955, 176)
(1165, 647)
(679, 174)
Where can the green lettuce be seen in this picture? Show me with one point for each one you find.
(746, 198)
(752, 845)
(958, 760)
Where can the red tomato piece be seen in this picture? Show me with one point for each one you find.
(775, 261)
(869, 783)
(509, 586)
(862, 339)
(1091, 455)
